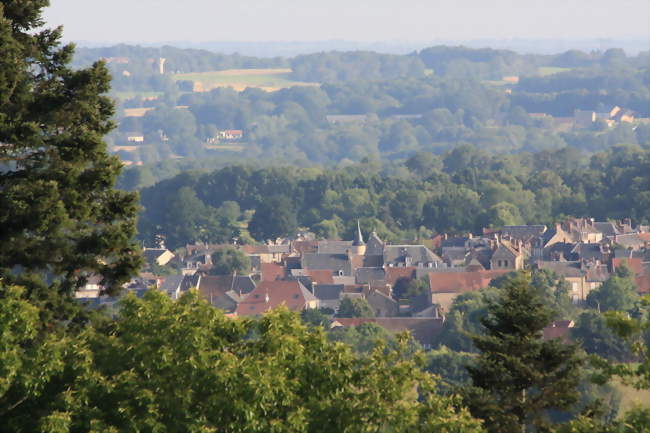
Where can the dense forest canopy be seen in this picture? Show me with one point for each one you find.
(464, 190)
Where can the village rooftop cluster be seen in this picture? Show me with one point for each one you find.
(304, 272)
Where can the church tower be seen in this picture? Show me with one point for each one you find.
(358, 245)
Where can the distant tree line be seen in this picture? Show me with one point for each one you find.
(394, 119)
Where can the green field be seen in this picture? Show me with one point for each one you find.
(240, 79)
(550, 70)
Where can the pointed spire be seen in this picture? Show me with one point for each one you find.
(358, 239)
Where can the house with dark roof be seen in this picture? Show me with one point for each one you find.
(334, 247)
(454, 256)
(410, 255)
(159, 256)
(175, 285)
(591, 252)
(549, 238)
(368, 275)
(328, 295)
(375, 246)
(271, 294)
(338, 264)
(383, 305)
(524, 234)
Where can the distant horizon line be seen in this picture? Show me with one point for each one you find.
(639, 38)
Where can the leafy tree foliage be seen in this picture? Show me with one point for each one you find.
(597, 338)
(635, 331)
(464, 320)
(450, 365)
(184, 367)
(316, 317)
(362, 338)
(355, 307)
(60, 212)
(408, 288)
(518, 376)
(229, 260)
(619, 292)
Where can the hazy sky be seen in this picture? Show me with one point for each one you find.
(359, 20)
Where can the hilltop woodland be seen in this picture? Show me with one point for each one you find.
(462, 191)
(157, 365)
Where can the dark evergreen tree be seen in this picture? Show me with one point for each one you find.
(274, 217)
(60, 217)
(518, 376)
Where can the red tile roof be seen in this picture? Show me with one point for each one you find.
(320, 276)
(461, 282)
(272, 271)
(395, 273)
(302, 247)
(643, 284)
(634, 263)
(559, 329)
(270, 294)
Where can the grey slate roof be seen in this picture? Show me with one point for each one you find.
(454, 242)
(589, 251)
(417, 253)
(564, 269)
(328, 292)
(504, 252)
(631, 240)
(524, 233)
(561, 249)
(606, 228)
(454, 254)
(243, 284)
(334, 247)
(172, 283)
(374, 246)
(366, 275)
(333, 262)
